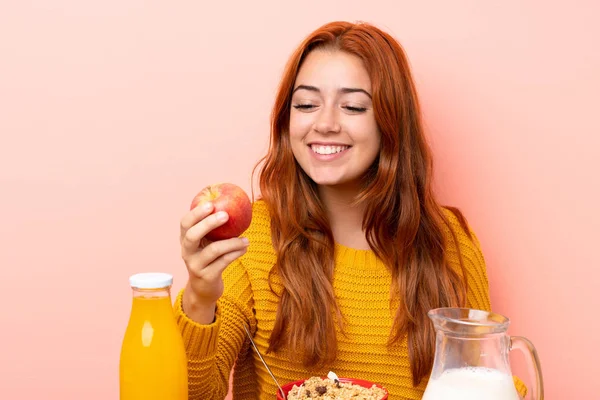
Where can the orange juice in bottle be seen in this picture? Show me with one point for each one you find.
(153, 363)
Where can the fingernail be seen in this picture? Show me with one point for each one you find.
(207, 206)
(222, 216)
(245, 241)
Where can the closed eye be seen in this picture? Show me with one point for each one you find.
(355, 109)
(303, 106)
(307, 107)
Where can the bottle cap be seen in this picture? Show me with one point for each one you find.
(151, 280)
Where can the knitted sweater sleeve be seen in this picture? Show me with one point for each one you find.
(213, 349)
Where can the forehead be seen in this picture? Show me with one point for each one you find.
(325, 68)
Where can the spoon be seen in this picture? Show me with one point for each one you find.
(263, 361)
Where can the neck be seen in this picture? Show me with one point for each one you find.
(345, 217)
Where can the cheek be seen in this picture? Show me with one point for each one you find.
(300, 125)
(371, 142)
(378, 140)
(296, 135)
(377, 143)
(367, 133)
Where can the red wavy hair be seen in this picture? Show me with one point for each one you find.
(403, 222)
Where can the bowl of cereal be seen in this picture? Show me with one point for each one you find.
(317, 388)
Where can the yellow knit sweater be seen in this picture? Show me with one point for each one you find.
(362, 288)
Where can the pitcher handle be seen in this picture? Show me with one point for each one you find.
(523, 344)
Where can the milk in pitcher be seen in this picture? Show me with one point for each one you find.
(471, 383)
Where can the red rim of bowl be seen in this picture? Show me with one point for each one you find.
(361, 382)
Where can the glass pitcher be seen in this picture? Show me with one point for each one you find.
(471, 357)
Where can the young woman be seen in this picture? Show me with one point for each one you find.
(348, 248)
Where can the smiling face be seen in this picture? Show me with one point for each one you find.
(333, 132)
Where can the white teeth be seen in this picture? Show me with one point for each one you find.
(327, 149)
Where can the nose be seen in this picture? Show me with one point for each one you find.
(327, 121)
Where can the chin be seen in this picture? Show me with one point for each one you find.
(335, 183)
(326, 181)
(332, 178)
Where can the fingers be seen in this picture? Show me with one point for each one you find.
(194, 216)
(215, 257)
(206, 260)
(191, 238)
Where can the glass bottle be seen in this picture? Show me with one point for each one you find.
(153, 363)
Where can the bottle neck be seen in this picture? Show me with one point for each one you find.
(151, 293)
(151, 304)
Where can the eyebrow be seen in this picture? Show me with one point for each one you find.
(343, 90)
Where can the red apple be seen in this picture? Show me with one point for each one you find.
(234, 201)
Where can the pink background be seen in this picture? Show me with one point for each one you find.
(114, 114)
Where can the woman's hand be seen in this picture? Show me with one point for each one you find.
(205, 261)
